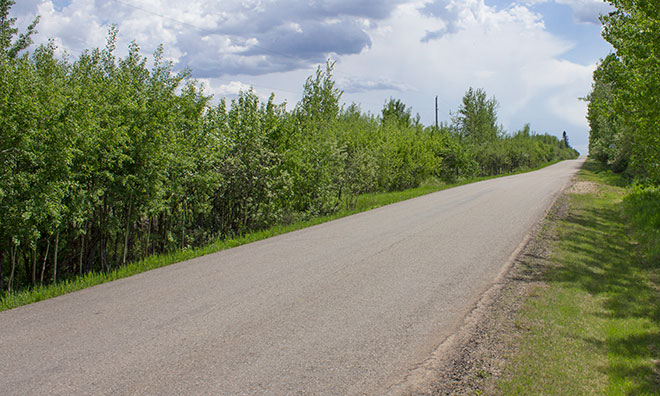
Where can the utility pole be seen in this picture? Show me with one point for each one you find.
(436, 112)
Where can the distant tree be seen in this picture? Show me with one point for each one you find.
(320, 101)
(564, 140)
(396, 113)
(476, 118)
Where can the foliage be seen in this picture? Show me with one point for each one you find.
(642, 207)
(608, 141)
(8, 31)
(624, 106)
(396, 112)
(476, 118)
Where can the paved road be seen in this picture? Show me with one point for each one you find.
(344, 308)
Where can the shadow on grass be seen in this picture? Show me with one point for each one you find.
(605, 174)
(601, 259)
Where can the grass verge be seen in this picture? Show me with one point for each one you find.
(593, 326)
(364, 202)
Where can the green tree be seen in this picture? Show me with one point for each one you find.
(609, 142)
(476, 118)
(396, 112)
(320, 101)
(317, 163)
(9, 47)
(633, 29)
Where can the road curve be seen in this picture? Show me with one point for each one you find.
(348, 307)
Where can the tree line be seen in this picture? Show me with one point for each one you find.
(624, 113)
(106, 159)
(624, 104)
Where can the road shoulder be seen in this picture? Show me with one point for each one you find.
(475, 357)
(577, 313)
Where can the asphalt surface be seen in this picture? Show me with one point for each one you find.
(344, 308)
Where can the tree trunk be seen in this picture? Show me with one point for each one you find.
(116, 247)
(183, 226)
(128, 224)
(57, 243)
(43, 266)
(2, 276)
(102, 251)
(105, 236)
(12, 252)
(82, 251)
(34, 265)
(146, 245)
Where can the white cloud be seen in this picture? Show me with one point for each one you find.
(584, 11)
(231, 89)
(508, 52)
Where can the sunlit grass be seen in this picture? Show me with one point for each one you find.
(594, 328)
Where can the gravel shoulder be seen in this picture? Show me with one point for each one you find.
(471, 361)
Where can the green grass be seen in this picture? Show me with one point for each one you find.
(364, 202)
(593, 328)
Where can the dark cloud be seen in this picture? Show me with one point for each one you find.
(314, 39)
(232, 36)
(289, 34)
(277, 13)
(282, 48)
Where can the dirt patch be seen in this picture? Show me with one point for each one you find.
(583, 187)
(471, 361)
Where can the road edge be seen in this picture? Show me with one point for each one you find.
(466, 361)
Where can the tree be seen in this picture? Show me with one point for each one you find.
(476, 118)
(633, 29)
(396, 113)
(8, 31)
(320, 101)
(609, 142)
(564, 139)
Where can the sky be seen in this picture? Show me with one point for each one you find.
(536, 57)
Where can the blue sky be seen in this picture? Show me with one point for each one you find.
(535, 56)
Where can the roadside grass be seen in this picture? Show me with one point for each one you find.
(362, 203)
(593, 326)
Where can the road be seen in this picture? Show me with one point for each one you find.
(348, 307)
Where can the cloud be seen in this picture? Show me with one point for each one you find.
(587, 11)
(313, 41)
(584, 11)
(218, 38)
(507, 51)
(457, 15)
(231, 89)
(447, 12)
(355, 85)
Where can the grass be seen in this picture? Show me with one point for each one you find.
(364, 202)
(593, 326)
